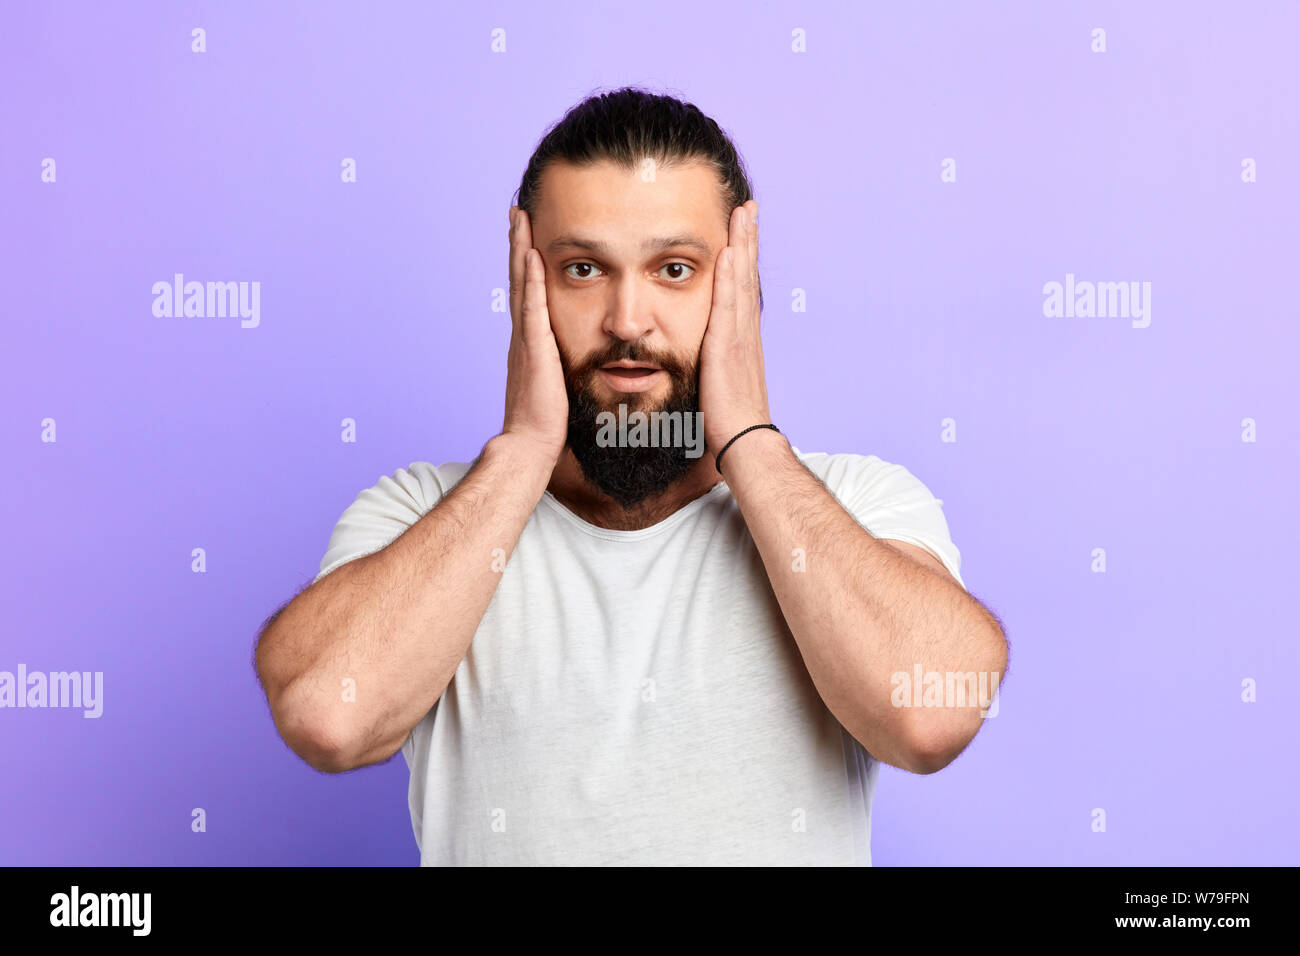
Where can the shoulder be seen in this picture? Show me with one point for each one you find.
(417, 487)
(825, 464)
(385, 509)
(862, 475)
(434, 481)
(888, 500)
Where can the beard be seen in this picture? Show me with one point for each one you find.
(629, 475)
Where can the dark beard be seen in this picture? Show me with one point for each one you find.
(626, 474)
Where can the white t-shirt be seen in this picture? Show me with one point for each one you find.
(636, 697)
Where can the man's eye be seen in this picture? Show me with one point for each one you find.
(580, 265)
(682, 272)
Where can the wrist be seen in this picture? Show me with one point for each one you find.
(759, 431)
(523, 456)
(716, 438)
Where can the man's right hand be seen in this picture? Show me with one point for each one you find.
(537, 403)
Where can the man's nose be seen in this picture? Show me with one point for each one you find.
(628, 316)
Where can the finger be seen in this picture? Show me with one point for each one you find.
(749, 251)
(724, 287)
(521, 240)
(752, 263)
(753, 247)
(740, 252)
(736, 230)
(535, 317)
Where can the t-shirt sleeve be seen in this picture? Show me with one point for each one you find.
(381, 513)
(891, 502)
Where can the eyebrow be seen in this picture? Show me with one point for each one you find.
(650, 246)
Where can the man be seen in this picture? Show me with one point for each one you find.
(592, 649)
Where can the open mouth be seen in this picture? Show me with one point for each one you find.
(631, 376)
(631, 370)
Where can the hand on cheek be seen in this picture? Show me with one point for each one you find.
(733, 386)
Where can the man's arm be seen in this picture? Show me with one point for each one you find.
(397, 622)
(862, 610)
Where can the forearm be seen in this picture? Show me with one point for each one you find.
(860, 610)
(357, 659)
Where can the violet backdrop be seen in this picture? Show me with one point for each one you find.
(925, 312)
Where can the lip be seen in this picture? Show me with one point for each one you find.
(627, 383)
(628, 363)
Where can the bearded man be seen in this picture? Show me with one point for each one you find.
(596, 652)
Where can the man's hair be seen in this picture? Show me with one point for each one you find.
(628, 125)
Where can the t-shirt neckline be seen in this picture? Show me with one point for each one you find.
(659, 527)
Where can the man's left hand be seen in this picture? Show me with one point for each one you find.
(733, 386)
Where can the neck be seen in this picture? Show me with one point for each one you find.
(592, 505)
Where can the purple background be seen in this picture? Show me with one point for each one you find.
(924, 303)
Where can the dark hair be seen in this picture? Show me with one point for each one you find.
(628, 125)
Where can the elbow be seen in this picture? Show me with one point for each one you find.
(930, 761)
(935, 737)
(324, 753)
(932, 746)
(320, 743)
(317, 734)
(330, 743)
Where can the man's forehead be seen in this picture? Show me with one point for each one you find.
(649, 246)
(666, 202)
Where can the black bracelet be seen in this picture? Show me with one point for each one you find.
(717, 459)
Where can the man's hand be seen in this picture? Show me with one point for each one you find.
(733, 386)
(537, 404)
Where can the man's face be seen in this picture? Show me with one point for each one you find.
(629, 278)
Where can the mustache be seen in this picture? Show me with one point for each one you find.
(577, 373)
